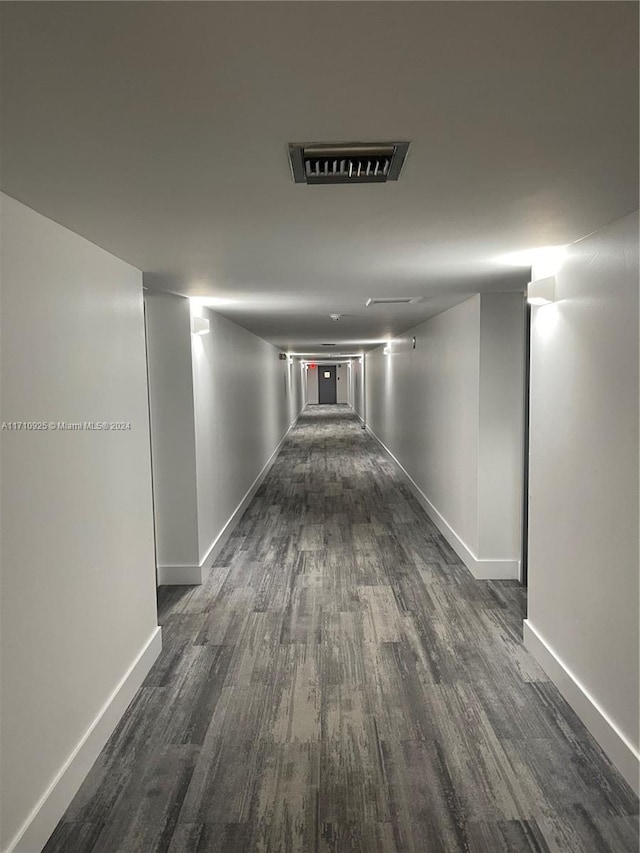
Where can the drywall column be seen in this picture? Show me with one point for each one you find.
(501, 426)
(583, 504)
(221, 404)
(342, 383)
(312, 386)
(363, 391)
(450, 412)
(173, 442)
(78, 619)
(294, 388)
(357, 382)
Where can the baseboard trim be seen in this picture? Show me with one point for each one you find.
(36, 830)
(179, 575)
(480, 568)
(193, 575)
(620, 751)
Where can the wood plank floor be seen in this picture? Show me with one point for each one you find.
(342, 683)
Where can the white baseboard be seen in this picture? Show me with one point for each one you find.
(618, 748)
(178, 575)
(481, 569)
(36, 830)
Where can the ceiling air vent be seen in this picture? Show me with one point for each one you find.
(347, 162)
(393, 300)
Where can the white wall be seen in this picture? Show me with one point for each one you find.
(221, 403)
(583, 510)
(449, 412)
(173, 440)
(295, 392)
(312, 386)
(501, 431)
(342, 382)
(357, 386)
(78, 588)
(246, 399)
(423, 404)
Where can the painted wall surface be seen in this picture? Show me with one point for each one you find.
(423, 405)
(78, 576)
(312, 386)
(501, 427)
(450, 411)
(583, 510)
(173, 441)
(245, 401)
(342, 383)
(297, 396)
(357, 386)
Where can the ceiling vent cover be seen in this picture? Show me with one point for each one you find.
(347, 162)
(393, 300)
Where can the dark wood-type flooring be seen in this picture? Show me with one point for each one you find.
(340, 682)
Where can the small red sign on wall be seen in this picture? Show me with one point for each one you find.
(313, 366)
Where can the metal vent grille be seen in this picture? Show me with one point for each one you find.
(392, 300)
(347, 162)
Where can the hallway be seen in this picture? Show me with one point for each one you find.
(340, 682)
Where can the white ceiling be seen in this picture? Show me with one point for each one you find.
(159, 131)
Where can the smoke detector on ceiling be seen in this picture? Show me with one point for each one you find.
(347, 162)
(393, 300)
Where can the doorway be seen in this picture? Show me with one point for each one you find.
(327, 386)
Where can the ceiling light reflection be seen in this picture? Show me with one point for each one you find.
(545, 259)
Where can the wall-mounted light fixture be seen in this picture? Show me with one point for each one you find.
(199, 325)
(542, 291)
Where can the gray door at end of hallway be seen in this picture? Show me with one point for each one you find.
(327, 386)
